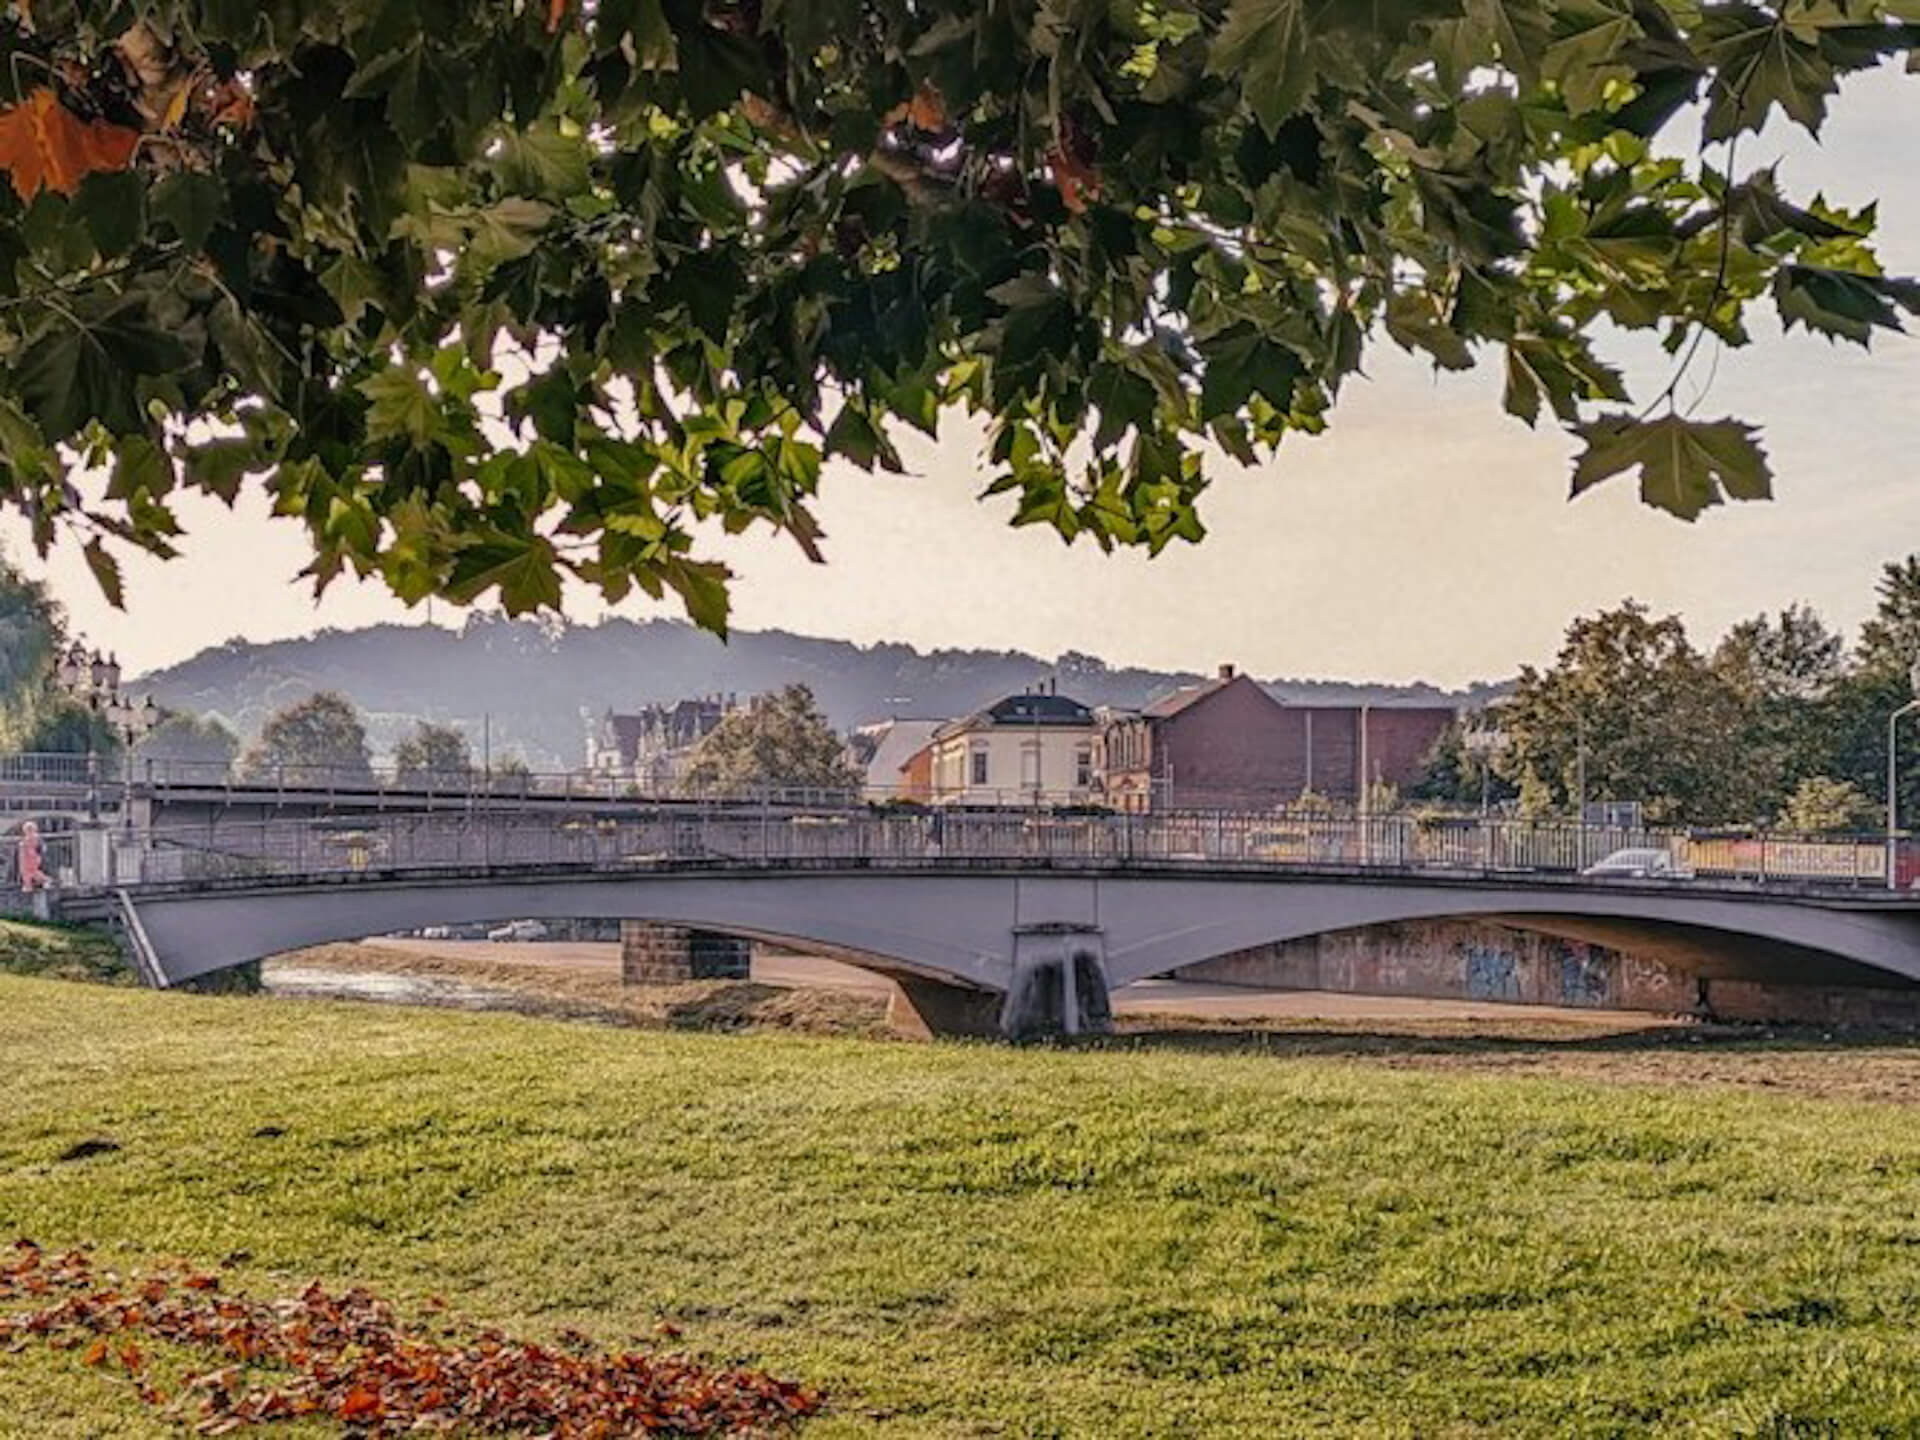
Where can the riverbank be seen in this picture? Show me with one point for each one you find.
(1156, 1235)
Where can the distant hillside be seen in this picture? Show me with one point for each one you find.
(537, 680)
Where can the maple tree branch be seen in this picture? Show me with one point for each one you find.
(86, 282)
(1700, 326)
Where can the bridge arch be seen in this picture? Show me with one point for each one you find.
(953, 929)
(968, 925)
(1166, 924)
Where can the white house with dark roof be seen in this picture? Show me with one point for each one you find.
(1035, 748)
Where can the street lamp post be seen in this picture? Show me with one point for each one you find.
(132, 723)
(1893, 775)
(1483, 742)
(94, 680)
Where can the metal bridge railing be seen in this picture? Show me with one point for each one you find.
(223, 849)
(55, 769)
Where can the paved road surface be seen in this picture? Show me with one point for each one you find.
(1184, 998)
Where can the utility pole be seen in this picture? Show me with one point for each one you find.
(1893, 775)
(1580, 782)
(1366, 791)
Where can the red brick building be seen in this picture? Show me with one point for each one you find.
(1228, 745)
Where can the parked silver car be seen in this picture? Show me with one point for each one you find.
(1640, 864)
(519, 930)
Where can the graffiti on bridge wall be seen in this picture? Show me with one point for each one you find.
(1462, 959)
(1493, 972)
(1586, 973)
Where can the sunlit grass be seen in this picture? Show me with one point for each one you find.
(961, 1240)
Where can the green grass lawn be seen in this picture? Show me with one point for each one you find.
(959, 1241)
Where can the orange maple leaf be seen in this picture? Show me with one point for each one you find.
(360, 1404)
(927, 110)
(44, 145)
(1077, 181)
(556, 11)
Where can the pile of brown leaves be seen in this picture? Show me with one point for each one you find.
(352, 1361)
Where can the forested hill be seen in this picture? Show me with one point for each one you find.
(535, 679)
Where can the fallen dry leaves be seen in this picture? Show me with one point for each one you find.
(346, 1357)
(44, 144)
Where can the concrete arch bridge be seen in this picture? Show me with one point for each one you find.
(999, 921)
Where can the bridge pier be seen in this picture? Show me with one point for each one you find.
(654, 954)
(1059, 984)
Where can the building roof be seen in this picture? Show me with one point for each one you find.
(1026, 711)
(1167, 706)
(624, 731)
(898, 741)
(680, 722)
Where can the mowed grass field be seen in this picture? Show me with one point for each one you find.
(970, 1240)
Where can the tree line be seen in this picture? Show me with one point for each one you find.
(1782, 724)
(780, 739)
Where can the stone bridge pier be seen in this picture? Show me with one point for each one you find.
(656, 954)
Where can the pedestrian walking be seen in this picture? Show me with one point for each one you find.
(33, 874)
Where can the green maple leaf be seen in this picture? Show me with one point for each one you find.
(506, 231)
(402, 407)
(523, 567)
(1762, 64)
(1686, 466)
(1264, 45)
(106, 573)
(540, 160)
(1240, 365)
(1561, 372)
(1415, 322)
(1519, 28)
(1586, 51)
(1842, 305)
(702, 587)
(83, 368)
(191, 203)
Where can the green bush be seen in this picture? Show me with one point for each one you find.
(63, 952)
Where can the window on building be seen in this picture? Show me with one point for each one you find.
(1030, 766)
(979, 772)
(1083, 766)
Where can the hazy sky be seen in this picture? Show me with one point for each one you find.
(1425, 536)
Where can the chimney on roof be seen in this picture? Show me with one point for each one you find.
(1226, 672)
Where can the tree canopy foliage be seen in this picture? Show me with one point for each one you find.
(1628, 711)
(191, 739)
(1822, 805)
(492, 294)
(776, 741)
(316, 741)
(433, 754)
(35, 714)
(1781, 724)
